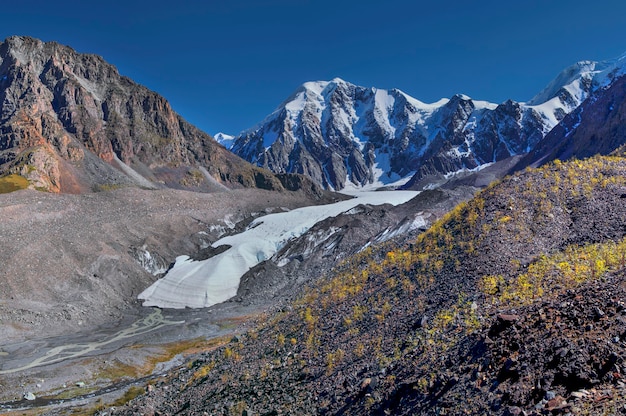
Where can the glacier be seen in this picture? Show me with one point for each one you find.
(200, 284)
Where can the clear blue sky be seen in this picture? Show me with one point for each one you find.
(225, 65)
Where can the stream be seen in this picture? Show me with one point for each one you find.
(60, 353)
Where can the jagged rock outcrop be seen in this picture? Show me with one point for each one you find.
(340, 134)
(70, 122)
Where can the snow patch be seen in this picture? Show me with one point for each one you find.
(484, 105)
(383, 104)
(297, 104)
(150, 263)
(316, 86)
(422, 106)
(224, 139)
(383, 176)
(466, 170)
(312, 240)
(406, 227)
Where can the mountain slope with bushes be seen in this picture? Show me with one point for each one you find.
(512, 302)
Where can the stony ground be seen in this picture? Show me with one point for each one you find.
(268, 285)
(72, 265)
(76, 259)
(513, 304)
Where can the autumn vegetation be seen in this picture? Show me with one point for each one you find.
(402, 328)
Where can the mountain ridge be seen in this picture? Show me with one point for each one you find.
(342, 135)
(69, 122)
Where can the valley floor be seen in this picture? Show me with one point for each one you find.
(67, 348)
(72, 267)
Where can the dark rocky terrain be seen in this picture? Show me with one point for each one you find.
(511, 304)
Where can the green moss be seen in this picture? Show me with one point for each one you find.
(12, 183)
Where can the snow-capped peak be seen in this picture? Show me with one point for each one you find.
(581, 78)
(315, 86)
(569, 77)
(225, 140)
(343, 135)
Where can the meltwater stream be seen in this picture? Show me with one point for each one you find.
(64, 352)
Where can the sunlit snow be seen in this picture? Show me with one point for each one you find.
(224, 139)
(198, 284)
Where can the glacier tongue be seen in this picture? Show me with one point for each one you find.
(199, 284)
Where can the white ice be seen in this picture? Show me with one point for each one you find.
(199, 284)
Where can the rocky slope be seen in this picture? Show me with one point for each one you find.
(72, 262)
(312, 256)
(70, 122)
(510, 304)
(340, 134)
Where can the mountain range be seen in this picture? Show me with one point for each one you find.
(343, 135)
(511, 304)
(484, 294)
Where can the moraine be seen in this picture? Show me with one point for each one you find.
(200, 284)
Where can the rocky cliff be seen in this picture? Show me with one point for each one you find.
(69, 122)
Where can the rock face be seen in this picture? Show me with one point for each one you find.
(595, 127)
(340, 134)
(70, 122)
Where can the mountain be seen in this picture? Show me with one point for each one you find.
(340, 134)
(511, 304)
(224, 139)
(594, 127)
(69, 122)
